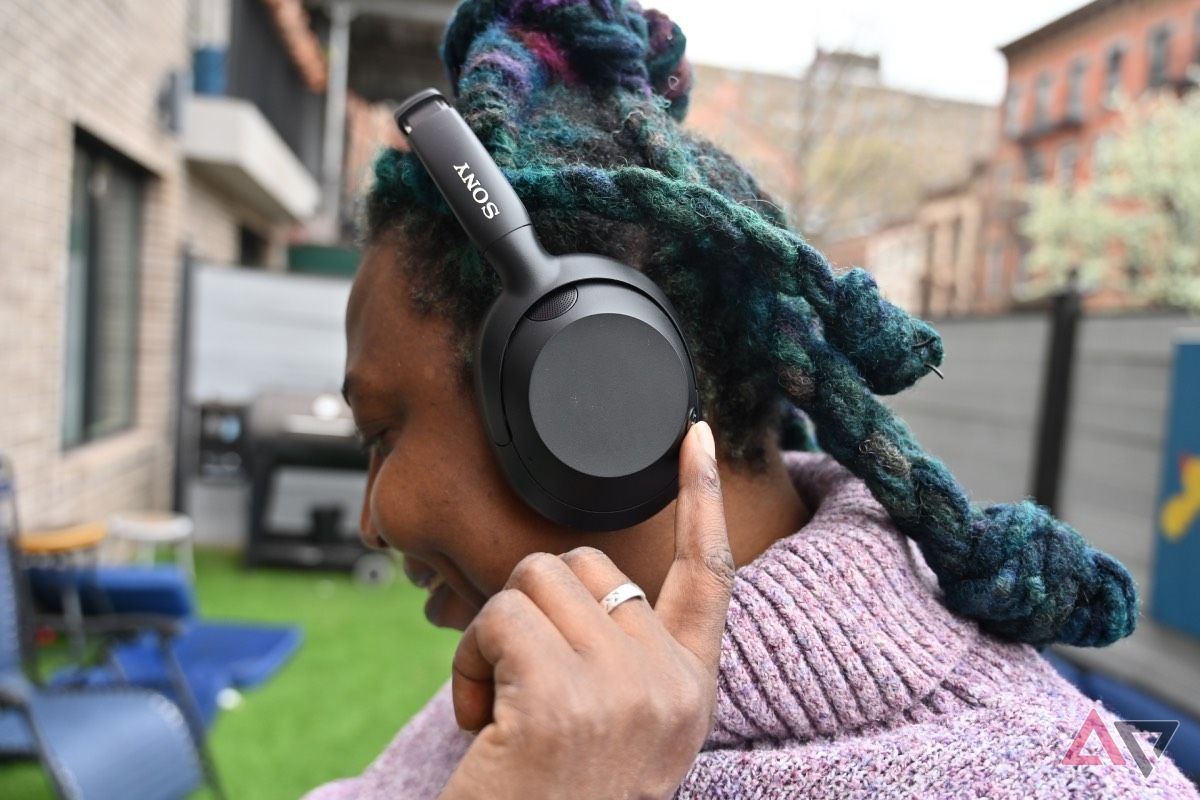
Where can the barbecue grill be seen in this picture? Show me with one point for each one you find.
(314, 430)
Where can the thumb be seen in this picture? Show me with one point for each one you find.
(694, 598)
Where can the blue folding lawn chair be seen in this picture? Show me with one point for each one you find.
(113, 743)
(190, 660)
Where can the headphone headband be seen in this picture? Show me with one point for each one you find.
(482, 199)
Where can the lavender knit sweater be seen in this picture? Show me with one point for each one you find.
(842, 675)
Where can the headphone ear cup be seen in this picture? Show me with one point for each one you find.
(598, 391)
(607, 395)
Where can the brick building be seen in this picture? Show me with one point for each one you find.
(1064, 80)
(926, 261)
(109, 167)
(896, 253)
(847, 155)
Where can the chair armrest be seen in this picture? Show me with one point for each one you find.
(15, 691)
(118, 624)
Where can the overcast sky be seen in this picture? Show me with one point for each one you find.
(943, 47)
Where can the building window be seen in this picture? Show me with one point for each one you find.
(1041, 100)
(1035, 167)
(1196, 38)
(1112, 73)
(1068, 159)
(1102, 154)
(956, 235)
(1160, 55)
(1012, 112)
(1003, 180)
(1024, 251)
(1133, 274)
(1075, 89)
(252, 248)
(105, 247)
(995, 269)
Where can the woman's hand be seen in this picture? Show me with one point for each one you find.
(572, 702)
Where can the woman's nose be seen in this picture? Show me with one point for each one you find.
(366, 532)
(371, 538)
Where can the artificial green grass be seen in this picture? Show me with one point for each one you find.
(369, 661)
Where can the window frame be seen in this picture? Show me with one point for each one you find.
(1043, 100)
(1012, 111)
(1114, 72)
(94, 160)
(1076, 75)
(1068, 153)
(1002, 178)
(1102, 147)
(1196, 38)
(994, 280)
(1163, 34)
(1034, 157)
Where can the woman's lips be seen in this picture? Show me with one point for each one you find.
(428, 578)
(440, 594)
(420, 573)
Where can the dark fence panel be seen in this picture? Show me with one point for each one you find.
(1111, 475)
(982, 421)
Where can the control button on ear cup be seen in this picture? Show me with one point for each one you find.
(554, 305)
(608, 395)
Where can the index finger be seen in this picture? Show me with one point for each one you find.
(694, 598)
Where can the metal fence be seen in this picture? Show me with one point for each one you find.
(982, 422)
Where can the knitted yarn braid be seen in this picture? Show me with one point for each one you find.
(580, 103)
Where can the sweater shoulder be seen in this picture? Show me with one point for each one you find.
(835, 628)
(998, 725)
(1008, 750)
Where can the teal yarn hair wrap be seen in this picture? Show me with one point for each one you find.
(581, 103)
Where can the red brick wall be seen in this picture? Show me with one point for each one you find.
(1129, 23)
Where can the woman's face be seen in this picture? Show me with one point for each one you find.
(435, 491)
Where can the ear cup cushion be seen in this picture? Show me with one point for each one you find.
(607, 395)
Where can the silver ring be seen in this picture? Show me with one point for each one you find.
(626, 591)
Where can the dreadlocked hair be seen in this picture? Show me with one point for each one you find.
(580, 103)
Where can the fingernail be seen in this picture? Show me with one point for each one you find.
(706, 439)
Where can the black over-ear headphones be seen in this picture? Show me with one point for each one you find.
(584, 379)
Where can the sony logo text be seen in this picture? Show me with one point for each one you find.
(478, 193)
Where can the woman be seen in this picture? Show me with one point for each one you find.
(879, 626)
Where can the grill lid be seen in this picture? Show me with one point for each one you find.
(300, 416)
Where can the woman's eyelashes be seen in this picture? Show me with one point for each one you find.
(379, 442)
(377, 435)
(371, 443)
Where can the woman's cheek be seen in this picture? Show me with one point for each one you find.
(394, 504)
